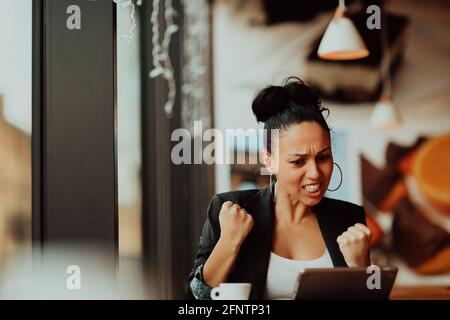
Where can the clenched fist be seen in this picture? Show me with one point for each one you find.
(235, 223)
(355, 245)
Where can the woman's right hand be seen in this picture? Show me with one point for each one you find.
(235, 224)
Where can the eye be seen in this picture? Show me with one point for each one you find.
(298, 162)
(324, 158)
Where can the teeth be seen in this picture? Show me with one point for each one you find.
(312, 187)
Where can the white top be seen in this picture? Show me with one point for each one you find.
(282, 274)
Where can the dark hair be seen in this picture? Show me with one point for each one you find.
(293, 102)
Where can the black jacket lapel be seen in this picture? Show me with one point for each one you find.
(330, 232)
(259, 244)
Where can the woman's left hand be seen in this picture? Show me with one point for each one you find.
(355, 245)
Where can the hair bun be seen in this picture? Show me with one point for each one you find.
(269, 102)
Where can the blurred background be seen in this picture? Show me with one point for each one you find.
(205, 61)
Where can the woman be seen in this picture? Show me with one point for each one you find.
(267, 236)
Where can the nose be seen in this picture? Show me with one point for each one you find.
(312, 171)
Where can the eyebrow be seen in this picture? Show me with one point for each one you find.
(305, 154)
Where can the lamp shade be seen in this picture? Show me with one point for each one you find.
(342, 41)
(384, 115)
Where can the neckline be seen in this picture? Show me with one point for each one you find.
(300, 261)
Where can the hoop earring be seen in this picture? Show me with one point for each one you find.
(334, 163)
(272, 186)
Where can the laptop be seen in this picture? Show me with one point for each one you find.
(373, 283)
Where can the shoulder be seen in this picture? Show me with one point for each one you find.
(239, 197)
(335, 203)
(343, 210)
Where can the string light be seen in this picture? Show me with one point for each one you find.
(195, 90)
(160, 52)
(126, 4)
(162, 64)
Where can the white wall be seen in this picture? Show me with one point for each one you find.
(128, 109)
(15, 61)
(128, 135)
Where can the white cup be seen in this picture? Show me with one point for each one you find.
(231, 291)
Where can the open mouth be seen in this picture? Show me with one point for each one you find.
(312, 188)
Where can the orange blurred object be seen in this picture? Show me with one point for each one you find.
(398, 191)
(439, 264)
(406, 163)
(377, 233)
(431, 170)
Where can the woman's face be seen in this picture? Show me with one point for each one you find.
(305, 162)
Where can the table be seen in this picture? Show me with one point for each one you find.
(420, 293)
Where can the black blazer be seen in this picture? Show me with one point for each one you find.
(334, 217)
